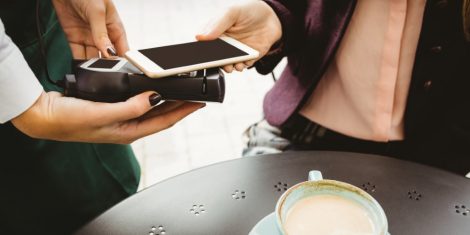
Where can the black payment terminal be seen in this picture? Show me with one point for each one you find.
(105, 80)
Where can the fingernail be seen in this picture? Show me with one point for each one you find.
(111, 51)
(154, 99)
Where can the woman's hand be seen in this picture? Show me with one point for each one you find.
(61, 118)
(253, 23)
(92, 26)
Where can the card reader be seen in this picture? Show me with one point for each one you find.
(115, 85)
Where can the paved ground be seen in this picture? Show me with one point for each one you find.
(212, 134)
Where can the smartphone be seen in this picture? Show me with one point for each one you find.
(182, 58)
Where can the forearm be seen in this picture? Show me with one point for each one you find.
(38, 121)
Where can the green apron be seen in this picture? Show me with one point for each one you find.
(51, 187)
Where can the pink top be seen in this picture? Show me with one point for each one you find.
(364, 90)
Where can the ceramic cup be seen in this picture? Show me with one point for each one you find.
(316, 185)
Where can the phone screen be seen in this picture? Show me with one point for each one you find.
(180, 55)
(103, 64)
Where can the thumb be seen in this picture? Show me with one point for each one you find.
(134, 107)
(97, 19)
(220, 25)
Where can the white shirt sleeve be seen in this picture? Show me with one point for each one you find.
(19, 88)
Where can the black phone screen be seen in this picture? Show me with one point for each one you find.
(103, 64)
(180, 55)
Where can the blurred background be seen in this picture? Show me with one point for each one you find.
(212, 134)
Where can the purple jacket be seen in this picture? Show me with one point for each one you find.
(312, 31)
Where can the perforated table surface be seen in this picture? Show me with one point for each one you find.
(231, 197)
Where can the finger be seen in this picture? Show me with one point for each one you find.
(109, 113)
(91, 52)
(121, 44)
(239, 67)
(167, 106)
(220, 26)
(228, 68)
(116, 30)
(78, 51)
(97, 19)
(162, 122)
(249, 63)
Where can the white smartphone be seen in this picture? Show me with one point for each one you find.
(104, 65)
(181, 58)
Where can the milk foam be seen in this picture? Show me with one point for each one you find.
(328, 215)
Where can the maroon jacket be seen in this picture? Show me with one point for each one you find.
(437, 116)
(312, 31)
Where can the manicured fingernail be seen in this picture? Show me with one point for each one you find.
(111, 51)
(154, 99)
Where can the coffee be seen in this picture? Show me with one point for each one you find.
(328, 215)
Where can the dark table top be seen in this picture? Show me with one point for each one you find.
(231, 197)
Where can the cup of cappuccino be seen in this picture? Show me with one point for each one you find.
(329, 207)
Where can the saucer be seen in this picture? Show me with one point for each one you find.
(266, 226)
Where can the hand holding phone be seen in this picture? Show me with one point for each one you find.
(253, 23)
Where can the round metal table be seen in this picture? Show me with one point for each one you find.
(231, 197)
